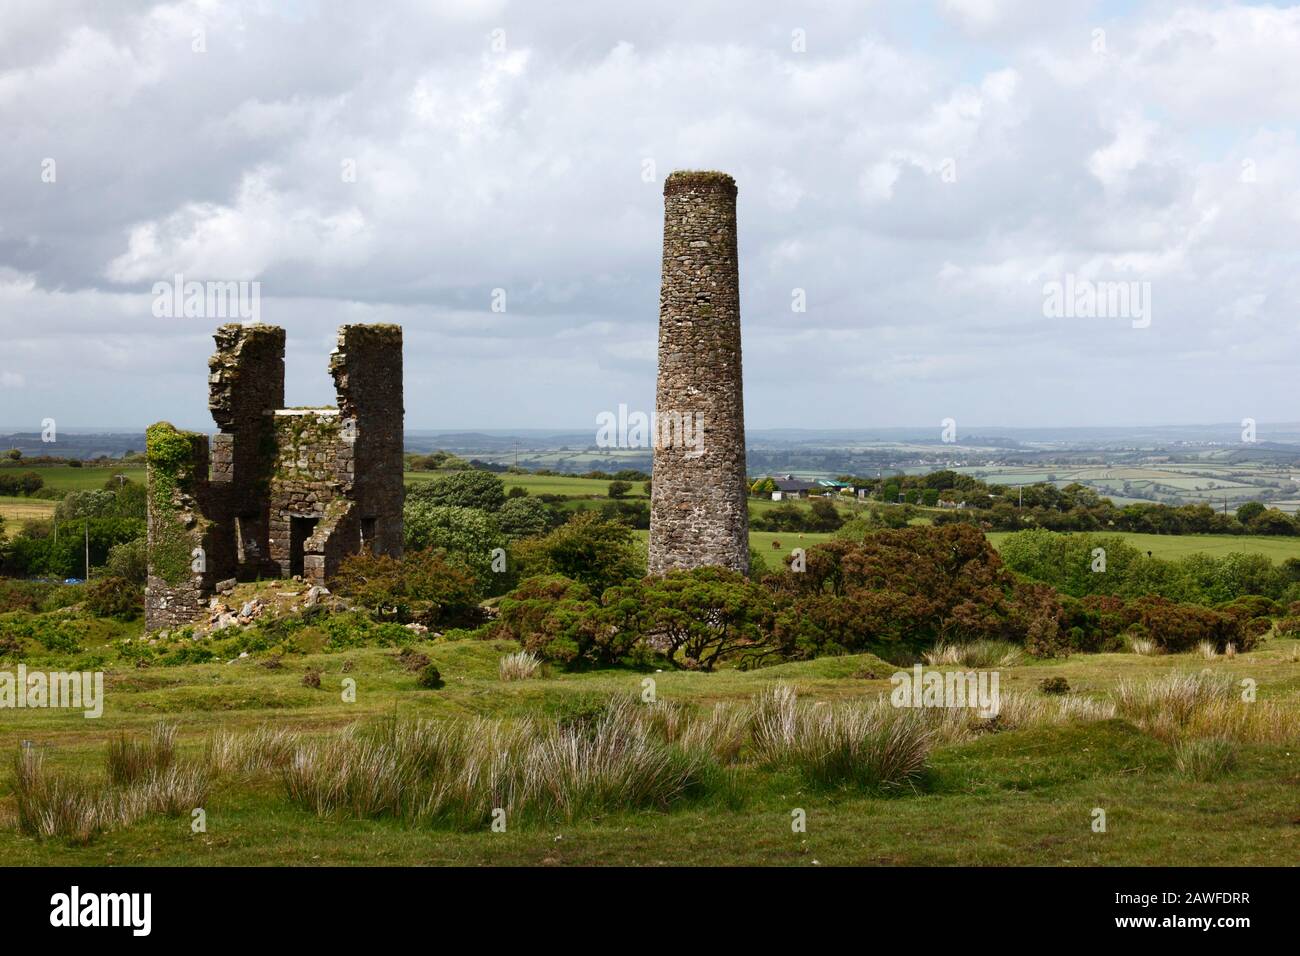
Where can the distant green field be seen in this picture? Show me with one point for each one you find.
(1160, 545)
(1176, 546)
(762, 540)
(543, 484)
(67, 478)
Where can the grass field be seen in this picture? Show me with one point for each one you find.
(1014, 797)
(67, 478)
(1176, 546)
(1018, 796)
(1199, 482)
(542, 484)
(17, 510)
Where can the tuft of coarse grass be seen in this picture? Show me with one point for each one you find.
(869, 745)
(1164, 706)
(1144, 646)
(465, 773)
(264, 750)
(1207, 650)
(1204, 705)
(77, 808)
(978, 654)
(54, 806)
(520, 665)
(1206, 758)
(722, 733)
(131, 759)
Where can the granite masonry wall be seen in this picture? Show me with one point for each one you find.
(280, 492)
(698, 510)
(179, 535)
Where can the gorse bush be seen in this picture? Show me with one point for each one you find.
(596, 552)
(426, 587)
(557, 619)
(114, 597)
(890, 592)
(695, 618)
(56, 633)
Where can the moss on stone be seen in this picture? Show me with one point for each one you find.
(685, 180)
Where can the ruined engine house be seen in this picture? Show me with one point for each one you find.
(277, 492)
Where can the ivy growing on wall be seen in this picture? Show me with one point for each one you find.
(169, 453)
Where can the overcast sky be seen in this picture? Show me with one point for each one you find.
(922, 170)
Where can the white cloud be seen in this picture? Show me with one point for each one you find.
(522, 169)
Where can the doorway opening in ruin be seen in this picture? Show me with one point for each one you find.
(300, 529)
(368, 526)
(247, 529)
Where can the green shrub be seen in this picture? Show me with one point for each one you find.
(553, 617)
(587, 548)
(114, 597)
(349, 630)
(56, 633)
(467, 535)
(701, 616)
(522, 517)
(420, 586)
(129, 560)
(18, 595)
(1053, 686)
(1182, 627)
(188, 654)
(462, 489)
(430, 677)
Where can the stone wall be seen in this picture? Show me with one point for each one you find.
(179, 535)
(245, 387)
(698, 510)
(312, 475)
(286, 491)
(367, 370)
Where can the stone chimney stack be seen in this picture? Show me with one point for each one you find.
(698, 509)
